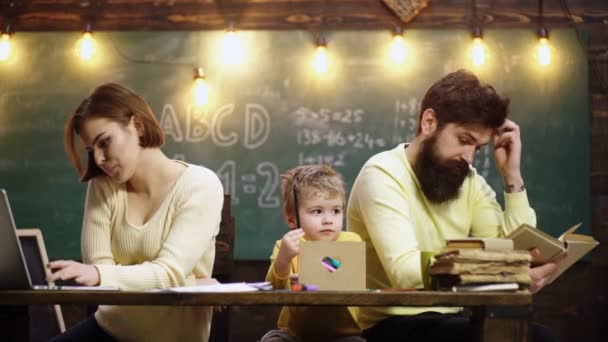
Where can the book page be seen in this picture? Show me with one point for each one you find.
(526, 238)
(575, 251)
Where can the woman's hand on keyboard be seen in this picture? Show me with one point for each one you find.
(68, 269)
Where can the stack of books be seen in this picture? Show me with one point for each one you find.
(476, 269)
(487, 264)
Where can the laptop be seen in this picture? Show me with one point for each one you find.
(14, 274)
(333, 265)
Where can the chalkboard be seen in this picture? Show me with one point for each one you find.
(273, 113)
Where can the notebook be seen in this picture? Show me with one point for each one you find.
(14, 274)
(333, 265)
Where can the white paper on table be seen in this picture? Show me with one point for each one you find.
(228, 287)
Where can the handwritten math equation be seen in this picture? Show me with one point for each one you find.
(321, 136)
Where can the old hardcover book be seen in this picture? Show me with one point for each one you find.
(483, 256)
(497, 244)
(446, 281)
(526, 237)
(478, 268)
(575, 245)
(486, 287)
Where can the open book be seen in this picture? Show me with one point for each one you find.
(575, 245)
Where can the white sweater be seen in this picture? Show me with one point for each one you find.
(174, 247)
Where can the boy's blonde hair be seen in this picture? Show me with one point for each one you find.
(309, 180)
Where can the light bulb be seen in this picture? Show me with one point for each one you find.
(478, 54)
(544, 51)
(398, 50)
(5, 47)
(232, 48)
(85, 47)
(200, 88)
(320, 60)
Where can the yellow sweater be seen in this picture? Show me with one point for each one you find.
(173, 248)
(311, 321)
(390, 213)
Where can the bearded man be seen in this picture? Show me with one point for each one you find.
(415, 196)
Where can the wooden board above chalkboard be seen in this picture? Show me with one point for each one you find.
(70, 15)
(272, 112)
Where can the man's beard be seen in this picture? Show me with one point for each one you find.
(440, 180)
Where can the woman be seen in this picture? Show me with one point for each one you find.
(149, 222)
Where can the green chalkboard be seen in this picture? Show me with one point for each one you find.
(272, 113)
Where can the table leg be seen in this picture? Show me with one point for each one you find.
(502, 324)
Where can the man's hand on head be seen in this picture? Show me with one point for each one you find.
(507, 153)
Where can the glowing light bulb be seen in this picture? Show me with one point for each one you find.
(200, 88)
(5, 47)
(86, 46)
(320, 61)
(544, 51)
(232, 48)
(398, 51)
(478, 53)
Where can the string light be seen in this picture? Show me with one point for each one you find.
(86, 45)
(398, 50)
(543, 49)
(478, 53)
(5, 44)
(232, 47)
(200, 88)
(320, 60)
(478, 50)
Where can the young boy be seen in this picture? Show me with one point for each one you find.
(320, 192)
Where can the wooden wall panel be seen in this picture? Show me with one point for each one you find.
(42, 15)
(598, 88)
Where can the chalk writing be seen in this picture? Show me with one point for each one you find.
(199, 125)
(170, 124)
(304, 116)
(227, 174)
(336, 160)
(268, 197)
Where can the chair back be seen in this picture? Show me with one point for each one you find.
(224, 244)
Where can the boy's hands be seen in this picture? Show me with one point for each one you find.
(290, 247)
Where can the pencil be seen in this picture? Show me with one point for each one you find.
(296, 205)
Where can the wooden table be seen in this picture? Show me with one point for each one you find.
(500, 316)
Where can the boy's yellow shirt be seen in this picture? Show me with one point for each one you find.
(307, 321)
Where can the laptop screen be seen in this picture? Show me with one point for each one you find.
(13, 271)
(31, 251)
